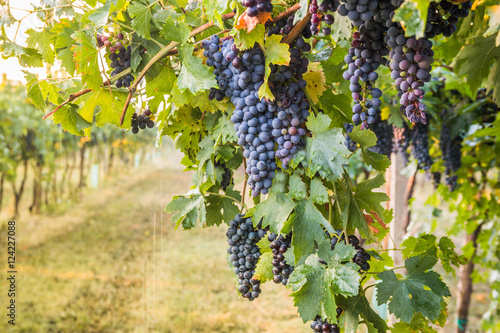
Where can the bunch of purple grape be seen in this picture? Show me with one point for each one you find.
(320, 325)
(242, 238)
(255, 7)
(119, 62)
(322, 13)
(279, 245)
(142, 121)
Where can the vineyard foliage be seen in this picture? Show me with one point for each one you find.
(268, 88)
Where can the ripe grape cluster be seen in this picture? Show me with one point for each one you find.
(451, 149)
(242, 238)
(119, 62)
(279, 245)
(255, 7)
(359, 11)
(410, 65)
(443, 16)
(420, 145)
(361, 257)
(322, 325)
(291, 107)
(142, 121)
(384, 133)
(410, 58)
(227, 177)
(239, 75)
(364, 58)
(322, 13)
(260, 123)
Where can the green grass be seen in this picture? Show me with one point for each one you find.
(113, 263)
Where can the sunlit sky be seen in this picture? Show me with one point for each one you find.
(11, 66)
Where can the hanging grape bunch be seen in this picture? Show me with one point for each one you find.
(279, 245)
(261, 123)
(322, 13)
(323, 326)
(420, 145)
(227, 178)
(142, 121)
(120, 54)
(364, 57)
(254, 7)
(242, 238)
(442, 17)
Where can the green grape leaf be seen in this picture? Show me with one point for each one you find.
(175, 32)
(246, 40)
(421, 291)
(217, 8)
(366, 139)
(306, 222)
(414, 246)
(42, 42)
(70, 120)
(371, 201)
(159, 82)
(312, 294)
(263, 270)
(319, 193)
(222, 209)
(302, 12)
(359, 305)
(97, 16)
(474, 61)
(142, 18)
(190, 209)
(33, 90)
(413, 16)
(325, 152)
(337, 107)
(86, 59)
(298, 189)
(276, 53)
(448, 256)
(341, 28)
(193, 75)
(111, 104)
(314, 285)
(6, 17)
(273, 211)
(377, 161)
(224, 130)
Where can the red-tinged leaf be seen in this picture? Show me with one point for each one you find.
(249, 23)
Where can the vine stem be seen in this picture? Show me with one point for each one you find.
(163, 52)
(297, 29)
(354, 152)
(286, 13)
(74, 96)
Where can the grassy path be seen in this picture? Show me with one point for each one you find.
(113, 263)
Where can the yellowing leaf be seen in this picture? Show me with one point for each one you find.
(276, 53)
(316, 82)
